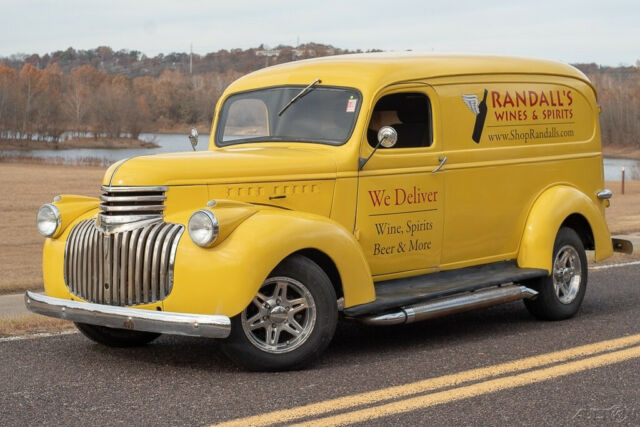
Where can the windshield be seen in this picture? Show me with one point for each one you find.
(323, 114)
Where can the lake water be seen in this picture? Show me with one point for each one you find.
(167, 143)
(178, 142)
(613, 169)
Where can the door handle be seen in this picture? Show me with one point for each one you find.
(443, 160)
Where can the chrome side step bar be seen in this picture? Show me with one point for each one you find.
(451, 305)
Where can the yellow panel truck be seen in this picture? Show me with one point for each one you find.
(386, 188)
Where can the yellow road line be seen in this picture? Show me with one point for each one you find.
(377, 396)
(490, 386)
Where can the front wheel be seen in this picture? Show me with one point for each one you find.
(113, 337)
(289, 323)
(560, 294)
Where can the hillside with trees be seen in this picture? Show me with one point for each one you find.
(112, 94)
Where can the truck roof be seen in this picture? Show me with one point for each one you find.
(372, 71)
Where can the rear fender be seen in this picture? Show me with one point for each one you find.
(549, 211)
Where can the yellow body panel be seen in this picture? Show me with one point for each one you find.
(547, 215)
(495, 198)
(492, 184)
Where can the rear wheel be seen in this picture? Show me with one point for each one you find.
(113, 337)
(561, 293)
(289, 323)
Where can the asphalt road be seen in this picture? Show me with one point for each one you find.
(69, 380)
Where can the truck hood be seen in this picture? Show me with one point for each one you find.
(226, 166)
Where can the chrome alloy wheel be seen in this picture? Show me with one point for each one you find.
(281, 316)
(567, 274)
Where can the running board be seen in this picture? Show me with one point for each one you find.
(451, 305)
(407, 291)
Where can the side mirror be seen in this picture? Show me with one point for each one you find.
(193, 138)
(387, 137)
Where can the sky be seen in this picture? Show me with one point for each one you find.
(606, 32)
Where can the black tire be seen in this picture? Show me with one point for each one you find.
(560, 294)
(301, 281)
(116, 337)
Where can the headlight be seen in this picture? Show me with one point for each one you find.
(203, 228)
(48, 220)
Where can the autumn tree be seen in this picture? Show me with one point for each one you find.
(28, 92)
(49, 120)
(7, 101)
(619, 97)
(79, 99)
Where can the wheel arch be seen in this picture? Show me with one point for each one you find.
(580, 225)
(559, 206)
(327, 265)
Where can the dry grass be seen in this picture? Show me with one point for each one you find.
(616, 258)
(623, 216)
(13, 287)
(24, 187)
(31, 324)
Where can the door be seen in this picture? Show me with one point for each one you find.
(400, 198)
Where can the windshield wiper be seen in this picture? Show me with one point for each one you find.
(300, 94)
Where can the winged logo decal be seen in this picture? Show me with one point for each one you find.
(472, 102)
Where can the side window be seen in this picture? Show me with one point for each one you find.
(408, 113)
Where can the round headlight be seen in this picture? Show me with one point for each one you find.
(203, 228)
(48, 220)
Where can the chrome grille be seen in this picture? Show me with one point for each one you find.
(127, 208)
(125, 268)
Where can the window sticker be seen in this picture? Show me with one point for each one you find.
(351, 105)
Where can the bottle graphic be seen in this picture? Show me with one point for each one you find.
(480, 110)
(480, 118)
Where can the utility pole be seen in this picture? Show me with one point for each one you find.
(191, 60)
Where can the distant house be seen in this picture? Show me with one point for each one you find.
(268, 52)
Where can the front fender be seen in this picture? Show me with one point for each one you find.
(224, 279)
(548, 213)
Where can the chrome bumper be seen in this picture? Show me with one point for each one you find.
(197, 325)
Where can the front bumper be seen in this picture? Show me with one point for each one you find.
(198, 325)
